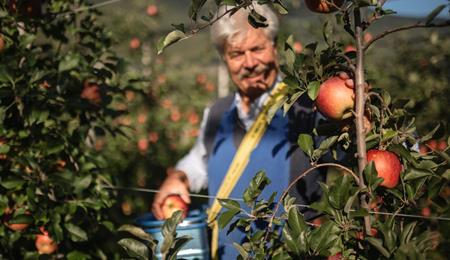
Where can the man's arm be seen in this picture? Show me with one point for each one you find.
(189, 174)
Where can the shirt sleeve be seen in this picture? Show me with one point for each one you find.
(194, 163)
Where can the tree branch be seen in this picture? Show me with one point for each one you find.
(285, 192)
(403, 28)
(360, 101)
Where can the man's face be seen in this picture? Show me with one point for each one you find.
(251, 61)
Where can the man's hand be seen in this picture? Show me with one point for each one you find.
(175, 183)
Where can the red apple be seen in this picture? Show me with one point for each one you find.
(367, 37)
(45, 244)
(91, 92)
(201, 79)
(432, 144)
(16, 226)
(29, 8)
(2, 44)
(441, 145)
(135, 43)
(388, 166)
(426, 212)
(152, 10)
(349, 48)
(337, 256)
(298, 47)
(360, 235)
(323, 6)
(173, 203)
(335, 99)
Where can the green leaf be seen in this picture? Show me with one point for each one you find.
(258, 183)
(241, 250)
(77, 255)
(134, 248)
(350, 201)
(291, 101)
(324, 146)
(371, 176)
(169, 39)
(446, 174)
(256, 20)
(361, 212)
(76, 233)
(305, 141)
(230, 204)
(12, 182)
(403, 152)
(434, 13)
(291, 241)
(430, 134)
(4, 148)
(378, 244)
(69, 62)
(296, 221)
(137, 232)
(169, 231)
(195, 7)
(313, 89)
(279, 6)
(407, 233)
(225, 218)
(21, 219)
(414, 173)
(339, 193)
(177, 246)
(323, 237)
(82, 183)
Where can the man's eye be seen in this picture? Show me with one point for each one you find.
(258, 49)
(236, 54)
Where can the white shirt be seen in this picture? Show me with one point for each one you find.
(195, 164)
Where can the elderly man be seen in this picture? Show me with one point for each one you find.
(251, 58)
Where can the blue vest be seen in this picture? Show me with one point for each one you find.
(276, 154)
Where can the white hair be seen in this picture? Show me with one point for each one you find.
(237, 23)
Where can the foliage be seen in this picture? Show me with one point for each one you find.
(142, 246)
(58, 81)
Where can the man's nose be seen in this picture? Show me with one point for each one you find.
(250, 60)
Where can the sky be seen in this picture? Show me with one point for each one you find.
(416, 8)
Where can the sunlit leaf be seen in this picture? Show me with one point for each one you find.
(169, 39)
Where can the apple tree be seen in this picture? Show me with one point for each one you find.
(373, 208)
(59, 82)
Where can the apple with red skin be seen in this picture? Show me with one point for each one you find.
(135, 43)
(426, 212)
(337, 256)
(335, 99)
(298, 47)
(323, 6)
(29, 8)
(152, 10)
(173, 203)
(91, 92)
(387, 165)
(2, 44)
(45, 244)
(349, 48)
(16, 226)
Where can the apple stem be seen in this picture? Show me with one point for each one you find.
(360, 100)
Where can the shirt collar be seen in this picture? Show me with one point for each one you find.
(255, 107)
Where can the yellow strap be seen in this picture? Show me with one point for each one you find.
(240, 161)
